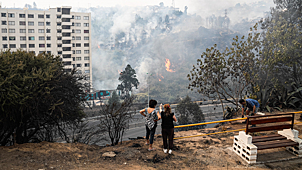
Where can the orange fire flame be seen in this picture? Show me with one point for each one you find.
(168, 66)
(159, 79)
(99, 46)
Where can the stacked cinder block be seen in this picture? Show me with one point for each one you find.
(244, 148)
(292, 134)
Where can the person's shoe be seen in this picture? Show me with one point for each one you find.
(170, 151)
(165, 150)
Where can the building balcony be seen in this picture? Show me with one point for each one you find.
(66, 45)
(66, 30)
(66, 16)
(67, 23)
(66, 59)
(66, 38)
(66, 52)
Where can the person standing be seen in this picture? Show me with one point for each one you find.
(167, 127)
(151, 122)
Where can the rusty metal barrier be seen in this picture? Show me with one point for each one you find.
(221, 121)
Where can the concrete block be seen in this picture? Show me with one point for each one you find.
(246, 139)
(294, 150)
(289, 133)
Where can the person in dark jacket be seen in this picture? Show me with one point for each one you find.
(167, 126)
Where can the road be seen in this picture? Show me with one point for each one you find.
(136, 129)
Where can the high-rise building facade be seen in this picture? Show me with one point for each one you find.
(57, 31)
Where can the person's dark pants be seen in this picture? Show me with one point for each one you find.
(150, 133)
(168, 133)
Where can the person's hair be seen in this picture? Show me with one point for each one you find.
(167, 109)
(241, 101)
(152, 103)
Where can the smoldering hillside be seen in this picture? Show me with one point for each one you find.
(162, 40)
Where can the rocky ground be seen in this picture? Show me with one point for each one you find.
(204, 152)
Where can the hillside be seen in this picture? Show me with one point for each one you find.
(206, 152)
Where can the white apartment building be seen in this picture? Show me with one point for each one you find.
(57, 31)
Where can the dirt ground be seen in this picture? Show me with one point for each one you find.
(205, 152)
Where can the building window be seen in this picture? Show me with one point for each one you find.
(31, 45)
(4, 38)
(47, 16)
(86, 31)
(48, 45)
(40, 23)
(86, 51)
(47, 30)
(86, 24)
(73, 44)
(21, 15)
(40, 52)
(73, 58)
(41, 38)
(65, 27)
(58, 16)
(3, 14)
(31, 31)
(48, 38)
(11, 30)
(22, 23)
(86, 64)
(22, 30)
(72, 17)
(23, 38)
(11, 22)
(3, 22)
(78, 44)
(86, 38)
(41, 45)
(12, 46)
(59, 52)
(78, 38)
(87, 71)
(78, 17)
(31, 23)
(11, 15)
(59, 38)
(72, 24)
(86, 58)
(59, 31)
(87, 78)
(78, 58)
(58, 9)
(73, 51)
(12, 38)
(73, 38)
(66, 48)
(78, 51)
(59, 23)
(64, 34)
(67, 56)
(40, 16)
(22, 45)
(72, 30)
(86, 44)
(30, 15)
(31, 38)
(4, 46)
(47, 23)
(77, 24)
(3, 30)
(40, 30)
(77, 31)
(59, 45)
(86, 17)
(78, 65)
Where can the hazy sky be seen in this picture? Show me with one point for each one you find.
(195, 6)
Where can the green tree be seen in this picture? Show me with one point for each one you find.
(114, 99)
(38, 99)
(189, 112)
(228, 75)
(128, 79)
